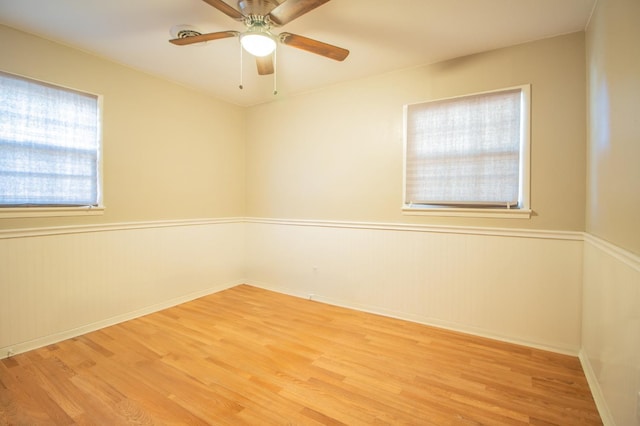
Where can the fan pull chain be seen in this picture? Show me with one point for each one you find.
(240, 86)
(275, 72)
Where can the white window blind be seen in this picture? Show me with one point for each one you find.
(465, 151)
(49, 145)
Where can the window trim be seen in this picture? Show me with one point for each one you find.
(62, 210)
(522, 211)
(19, 212)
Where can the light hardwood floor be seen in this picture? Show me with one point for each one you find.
(250, 356)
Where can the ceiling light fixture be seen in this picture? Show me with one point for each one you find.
(258, 41)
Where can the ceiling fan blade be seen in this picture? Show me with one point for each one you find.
(265, 64)
(314, 46)
(182, 41)
(226, 9)
(291, 9)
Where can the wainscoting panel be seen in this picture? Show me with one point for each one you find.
(611, 330)
(56, 283)
(519, 286)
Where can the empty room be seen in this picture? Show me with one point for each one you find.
(304, 212)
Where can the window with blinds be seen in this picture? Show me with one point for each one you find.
(468, 152)
(49, 145)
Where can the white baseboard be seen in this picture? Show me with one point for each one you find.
(610, 348)
(419, 320)
(515, 286)
(596, 391)
(18, 348)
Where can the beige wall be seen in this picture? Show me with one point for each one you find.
(336, 154)
(611, 274)
(613, 62)
(169, 152)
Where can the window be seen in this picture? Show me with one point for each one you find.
(468, 155)
(49, 147)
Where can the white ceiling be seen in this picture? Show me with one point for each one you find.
(382, 35)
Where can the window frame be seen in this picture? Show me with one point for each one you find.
(522, 210)
(64, 210)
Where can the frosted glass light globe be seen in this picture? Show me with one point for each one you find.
(258, 44)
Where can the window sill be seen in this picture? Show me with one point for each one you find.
(20, 212)
(468, 212)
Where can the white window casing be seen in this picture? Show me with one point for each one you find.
(469, 155)
(50, 149)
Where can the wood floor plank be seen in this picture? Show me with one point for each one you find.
(247, 356)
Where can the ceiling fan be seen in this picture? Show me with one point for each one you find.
(259, 16)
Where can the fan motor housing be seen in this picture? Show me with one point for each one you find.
(256, 7)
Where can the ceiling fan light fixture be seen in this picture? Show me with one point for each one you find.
(258, 43)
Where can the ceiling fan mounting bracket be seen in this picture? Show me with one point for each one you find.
(282, 37)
